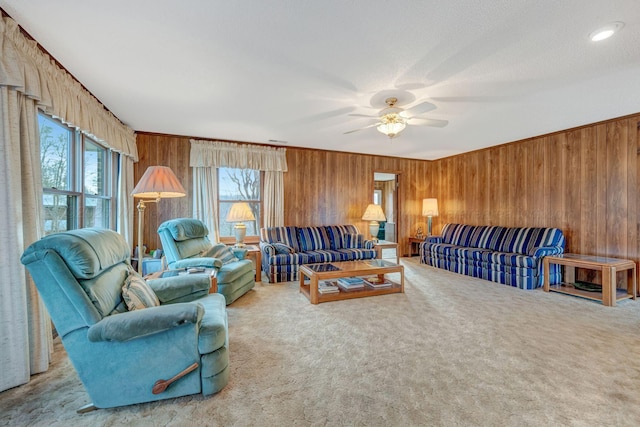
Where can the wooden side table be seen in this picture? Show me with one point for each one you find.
(414, 242)
(253, 253)
(383, 244)
(608, 266)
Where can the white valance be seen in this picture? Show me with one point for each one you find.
(25, 68)
(218, 154)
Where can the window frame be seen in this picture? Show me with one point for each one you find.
(76, 168)
(249, 239)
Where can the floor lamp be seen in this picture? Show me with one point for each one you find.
(158, 182)
(429, 209)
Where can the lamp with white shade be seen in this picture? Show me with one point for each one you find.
(429, 209)
(239, 213)
(158, 182)
(374, 214)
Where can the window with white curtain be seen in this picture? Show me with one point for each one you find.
(78, 178)
(239, 185)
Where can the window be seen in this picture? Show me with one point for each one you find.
(239, 185)
(77, 179)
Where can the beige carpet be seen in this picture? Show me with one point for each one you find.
(451, 351)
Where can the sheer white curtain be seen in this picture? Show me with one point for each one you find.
(273, 198)
(25, 334)
(211, 155)
(30, 79)
(205, 196)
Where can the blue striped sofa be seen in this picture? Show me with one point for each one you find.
(284, 249)
(507, 255)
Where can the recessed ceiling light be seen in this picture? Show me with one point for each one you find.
(606, 31)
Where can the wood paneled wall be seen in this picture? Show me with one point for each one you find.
(321, 187)
(583, 181)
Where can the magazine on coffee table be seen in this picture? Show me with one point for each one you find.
(377, 283)
(326, 287)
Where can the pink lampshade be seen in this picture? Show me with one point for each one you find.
(158, 182)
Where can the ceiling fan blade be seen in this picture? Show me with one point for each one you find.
(430, 122)
(362, 115)
(420, 108)
(366, 127)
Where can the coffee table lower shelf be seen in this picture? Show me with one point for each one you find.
(395, 288)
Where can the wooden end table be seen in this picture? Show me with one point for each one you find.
(415, 242)
(608, 266)
(253, 253)
(384, 244)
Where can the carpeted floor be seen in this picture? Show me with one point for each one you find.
(451, 351)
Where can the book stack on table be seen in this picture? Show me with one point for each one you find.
(351, 283)
(326, 287)
(377, 283)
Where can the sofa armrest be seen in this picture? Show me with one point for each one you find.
(368, 244)
(171, 288)
(197, 262)
(543, 251)
(433, 239)
(140, 323)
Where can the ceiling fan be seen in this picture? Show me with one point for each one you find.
(392, 120)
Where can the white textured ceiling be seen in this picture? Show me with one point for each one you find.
(293, 70)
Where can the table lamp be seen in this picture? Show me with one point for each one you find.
(239, 213)
(429, 209)
(158, 182)
(374, 214)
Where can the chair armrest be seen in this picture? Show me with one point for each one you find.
(267, 249)
(171, 288)
(197, 262)
(369, 244)
(240, 253)
(433, 239)
(148, 321)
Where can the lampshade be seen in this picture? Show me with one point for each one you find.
(429, 207)
(374, 213)
(240, 212)
(391, 124)
(158, 182)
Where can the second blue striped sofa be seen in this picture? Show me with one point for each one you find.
(284, 249)
(508, 255)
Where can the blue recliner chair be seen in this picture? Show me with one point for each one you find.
(185, 243)
(124, 357)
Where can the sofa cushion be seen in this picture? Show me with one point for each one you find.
(137, 294)
(335, 233)
(313, 239)
(352, 241)
(286, 235)
(282, 248)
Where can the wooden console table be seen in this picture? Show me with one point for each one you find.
(608, 266)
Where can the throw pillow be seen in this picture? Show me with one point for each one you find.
(352, 241)
(281, 248)
(137, 294)
(223, 252)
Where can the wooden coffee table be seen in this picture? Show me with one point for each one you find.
(336, 270)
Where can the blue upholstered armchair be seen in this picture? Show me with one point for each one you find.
(185, 243)
(124, 357)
